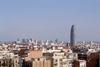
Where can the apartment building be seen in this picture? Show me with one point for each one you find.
(34, 54)
(39, 62)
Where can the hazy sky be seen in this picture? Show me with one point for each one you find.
(49, 19)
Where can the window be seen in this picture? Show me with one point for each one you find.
(60, 59)
(56, 60)
(55, 64)
(16, 61)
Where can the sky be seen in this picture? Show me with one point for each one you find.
(49, 19)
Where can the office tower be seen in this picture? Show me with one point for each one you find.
(36, 42)
(28, 40)
(18, 40)
(31, 40)
(56, 41)
(51, 41)
(42, 42)
(91, 43)
(73, 36)
(47, 42)
(68, 44)
(23, 41)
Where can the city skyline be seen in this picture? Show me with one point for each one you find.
(48, 20)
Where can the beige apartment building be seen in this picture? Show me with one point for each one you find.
(34, 54)
(42, 62)
(61, 59)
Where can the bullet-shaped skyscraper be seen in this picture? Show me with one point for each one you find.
(73, 36)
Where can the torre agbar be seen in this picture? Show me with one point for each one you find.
(73, 36)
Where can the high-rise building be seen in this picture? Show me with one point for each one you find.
(31, 39)
(18, 40)
(56, 41)
(47, 42)
(73, 36)
(28, 40)
(23, 41)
